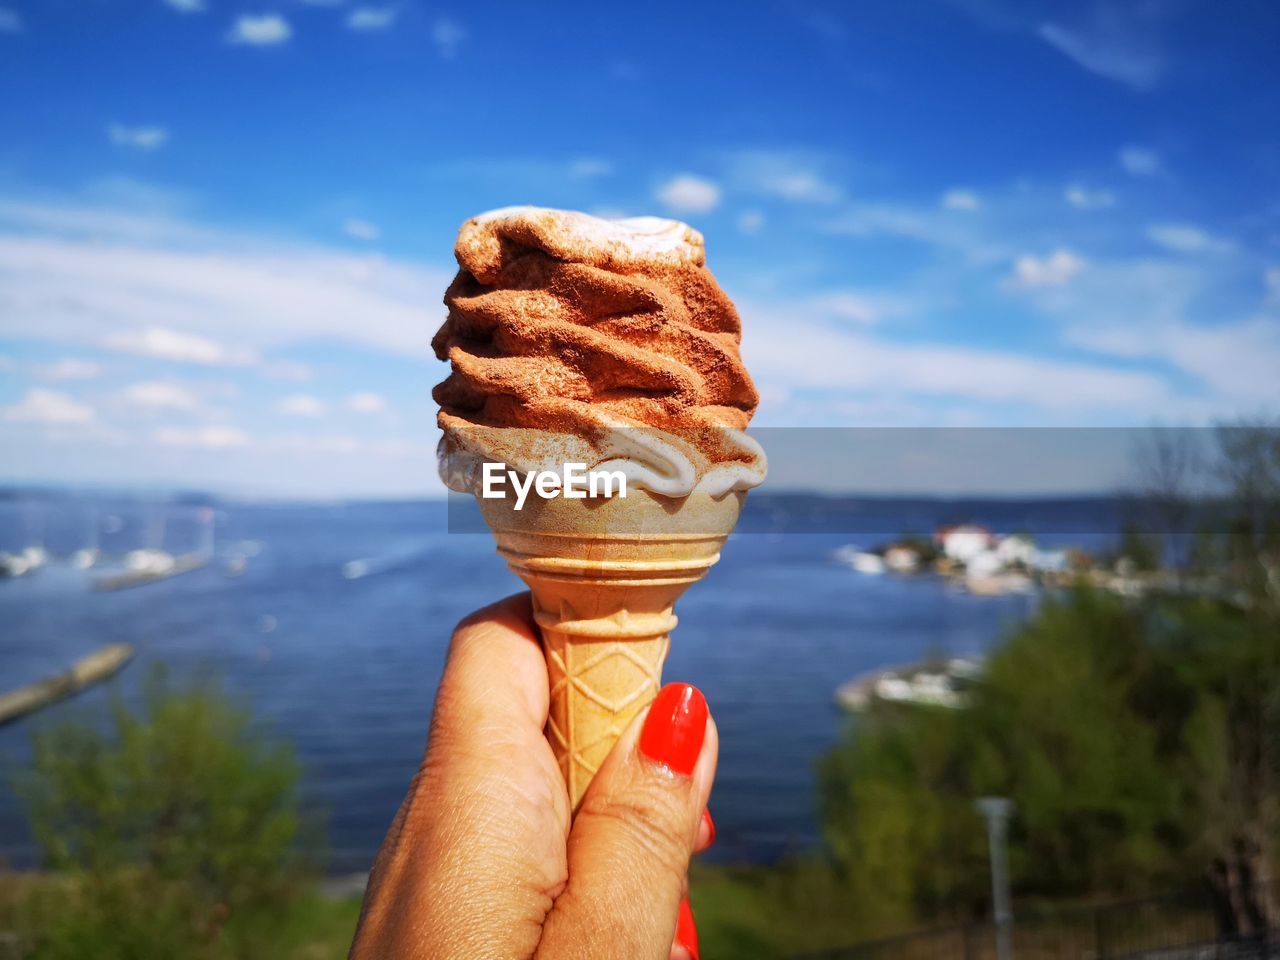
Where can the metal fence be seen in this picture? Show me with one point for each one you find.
(1192, 925)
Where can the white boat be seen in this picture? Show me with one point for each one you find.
(149, 560)
(862, 561)
(942, 685)
(84, 558)
(13, 565)
(36, 557)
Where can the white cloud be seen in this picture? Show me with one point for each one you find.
(138, 138)
(448, 36)
(847, 306)
(173, 290)
(1236, 361)
(10, 21)
(789, 175)
(213, 437)
(751, 222)
(367, 403)
(961, 200)
(287, 370)
(1083, 198)
(340, 444)
(166, 344)
(965, 236)
(1141, 162)
(70, 368)
(361, 230)
(187, 6)
(1271, 278)
(1186, 238)
(301, 405)
(1054, 270)
(48, 406)
(1108, 48)
(371, 18)
(260, 31)
(587, 168)
(802, 185)
(779, 351)
(687, 193)
(157, 395)
(138, 213)
(1145, 311)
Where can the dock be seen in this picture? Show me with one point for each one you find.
(125, 579)
(95, 668)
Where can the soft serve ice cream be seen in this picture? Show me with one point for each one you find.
(609, 343)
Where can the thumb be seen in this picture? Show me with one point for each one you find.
(630, 844)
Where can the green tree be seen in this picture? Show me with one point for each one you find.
(1078, 720)
(176, 830)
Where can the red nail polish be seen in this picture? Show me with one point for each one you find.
(686, 930)
(675, 727)
(711, 826)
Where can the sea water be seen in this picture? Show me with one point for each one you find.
(336, 630)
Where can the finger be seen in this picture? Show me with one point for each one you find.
(706, 832)
(630, 844)
(685, 945)
(476, 854)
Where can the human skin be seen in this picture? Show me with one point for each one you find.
(483, 860)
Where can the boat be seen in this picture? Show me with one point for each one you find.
(36, 557)
(149, 561)
(84, 558)
(862, 561)
(13, 565)
(148, 566)
(363, 567)
(153, 563)
(85, 672)
(88, 555)
(930, 684)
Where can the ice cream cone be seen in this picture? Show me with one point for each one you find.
(605, 575)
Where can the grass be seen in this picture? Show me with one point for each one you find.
(742, 913)
(761, 913)
(318, 928)
(40, 917)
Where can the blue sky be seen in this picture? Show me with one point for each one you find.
(225, 227)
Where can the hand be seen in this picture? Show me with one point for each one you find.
(482, 860)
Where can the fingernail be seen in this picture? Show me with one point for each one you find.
(686, 930)
(675, 727)
(710, 825)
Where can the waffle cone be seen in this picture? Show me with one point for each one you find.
(605, 575)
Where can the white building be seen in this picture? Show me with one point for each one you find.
(962, 543)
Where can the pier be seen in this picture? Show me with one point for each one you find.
(95, 668)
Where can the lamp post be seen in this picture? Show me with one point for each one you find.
(997, 811)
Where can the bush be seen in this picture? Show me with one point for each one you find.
(1135, 739)
(173, 833)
